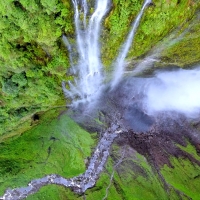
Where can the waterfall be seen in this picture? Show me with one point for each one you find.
(119, 63)
(88, 70)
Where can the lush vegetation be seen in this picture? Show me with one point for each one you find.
(184, 176)
(132, 177)
(34, 59)
(54, 146)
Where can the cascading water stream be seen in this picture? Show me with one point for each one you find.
(86, 86)
(85, 8)
(119, 63)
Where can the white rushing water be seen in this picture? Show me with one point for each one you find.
(119, 63)
(88, 70)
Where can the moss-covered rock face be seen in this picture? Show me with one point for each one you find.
(160, 19)
(185, 51)
(34, 59)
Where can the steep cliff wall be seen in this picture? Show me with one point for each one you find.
(34, 59)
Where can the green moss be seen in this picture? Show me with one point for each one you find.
(50, 192)
(126, 184)
(33, 64)
(54, 146)
(185, 51)
(184, 176)
(34, 60)
(190, 149)
(158, 21)
(133, 179)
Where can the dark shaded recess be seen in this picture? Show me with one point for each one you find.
(69, 36)
(95, 189)
(196, 176)
(36, 117)
(49, 151)
(152, 4)
(22, 110)
(23, 47)
(53, 138)
(61, 44)
(57, 14)
(35, 53)
(198, 148)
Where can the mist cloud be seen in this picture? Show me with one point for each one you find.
(174, 91)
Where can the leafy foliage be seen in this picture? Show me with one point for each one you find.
(32, 57)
